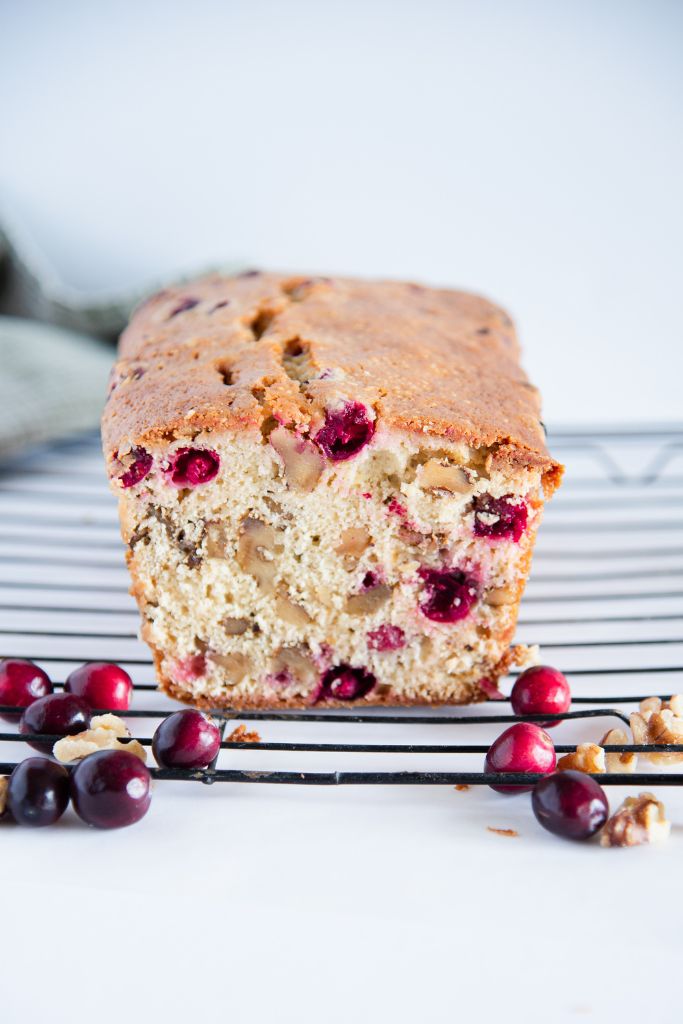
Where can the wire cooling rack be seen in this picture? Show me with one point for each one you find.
(605, 602)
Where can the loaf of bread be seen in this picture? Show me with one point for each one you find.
(329, 489)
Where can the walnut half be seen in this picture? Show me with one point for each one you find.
(257, 549)
(615, 762)
(659, 722)
(588, 757)
(105, 733)
(640, 819)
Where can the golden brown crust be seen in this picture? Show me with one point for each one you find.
(212, 356)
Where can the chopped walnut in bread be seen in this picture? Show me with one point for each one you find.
(640, 819)
(659, 722)
(105, 733)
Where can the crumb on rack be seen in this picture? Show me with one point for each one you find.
(4, 786)
(461, 787)
(241, 735)
(510, 833)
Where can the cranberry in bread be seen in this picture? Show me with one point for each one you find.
(329, 489)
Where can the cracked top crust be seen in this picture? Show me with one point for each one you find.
(240, 352)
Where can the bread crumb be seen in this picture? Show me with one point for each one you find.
(240, 735)
(4, 786)
(461, 787)
(510, 833)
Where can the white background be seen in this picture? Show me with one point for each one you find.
(531, 151)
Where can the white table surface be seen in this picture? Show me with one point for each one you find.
(529, 151)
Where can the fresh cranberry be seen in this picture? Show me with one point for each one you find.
(521, 748)
(58, 714)
(345, 683)
(183, 306)
(102, 685)
(386, 638)
(541, 690)
(38, 792)
(111, 788)
(139, 468)
(186, 739)
(346, 431)
(570, 804)
(449, 594)
(194, 466)
(500, 518)
(21, 683)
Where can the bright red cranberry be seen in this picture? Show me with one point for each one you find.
(541, 690)
(500, 518)
(139, 468)
(111, 789)
(186, 739)
(448, 594)
(523, 747)
(192, 467)
(570, 804)
(21, 683)
(38, 792)
(386, 638)
(346, 431)
(104, 686)
(58, 714)
(345, 683)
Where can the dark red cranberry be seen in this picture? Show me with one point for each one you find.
(58, 714)
(448, 594)
(138, 470)
(345, 683)
(21, 683)
(101, 685)
(570, 804)
(541, 690)
(38, 792)
(183, 306)
(386, 638)
(111, 788)
(346, 431)
(194, 466)
(523, 747)
(186, 739)
(500, 518)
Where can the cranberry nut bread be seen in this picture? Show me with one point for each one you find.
(329, 489)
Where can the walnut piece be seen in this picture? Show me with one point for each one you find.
(291, 613)
(640, 819)
(105, 733)
(368, 601)
(235, 627)
(216, 540)
(257, 549)
(235, 666)
(588, 757)
(302, 461)
(659, 722)
(291, 663)
(436, 475)
(500, 596)
(354, 541)
(615, 762)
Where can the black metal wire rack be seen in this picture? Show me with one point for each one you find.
(605, 602)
